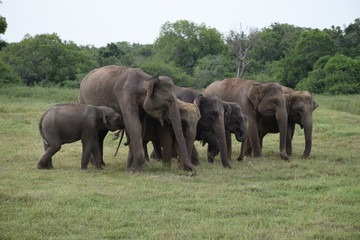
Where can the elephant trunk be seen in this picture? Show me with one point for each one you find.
(220, 134)
(307, 124)
(282, 121)
(174, 116)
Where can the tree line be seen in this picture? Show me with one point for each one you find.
(194, 55)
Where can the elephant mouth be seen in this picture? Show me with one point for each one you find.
(269, 113)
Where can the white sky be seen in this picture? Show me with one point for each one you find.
(98, 22)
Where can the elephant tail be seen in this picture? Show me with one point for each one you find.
(41, 132)
(121, 137)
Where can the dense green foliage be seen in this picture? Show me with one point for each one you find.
(194, 55)
(264, 198)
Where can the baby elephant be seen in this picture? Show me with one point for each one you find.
(70, 122)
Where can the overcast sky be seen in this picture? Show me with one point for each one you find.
(94, 22)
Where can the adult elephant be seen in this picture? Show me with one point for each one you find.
(235, 123)
(133, 93)
(163, 137)
(212, 117)
(256, 100)
(300, 106)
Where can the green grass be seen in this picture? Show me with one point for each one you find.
(264, 198)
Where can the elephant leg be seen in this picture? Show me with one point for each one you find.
(45, 162)
(146, 150)
(254, 139)
(166, 141)
(157, 152)
(195, 156)
(102, 135)
(228, 144)
(245, 150)
(212, 151)
(289, 137)
(96, 153)
(88, 144)
(136, 157)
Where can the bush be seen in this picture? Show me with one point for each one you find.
(336, 75)
(7, 76)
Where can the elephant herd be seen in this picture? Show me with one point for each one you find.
(153, 109)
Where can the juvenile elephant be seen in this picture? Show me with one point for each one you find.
(256, 100)
(300, 106)
(133, 93)
(211, 122)
(163, 136)
(70, 122)
(235, 123)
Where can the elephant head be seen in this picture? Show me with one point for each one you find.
(112, 120)
(268, 100)
(301, 107)
(235, 120)
(212, 121)
(161, 103)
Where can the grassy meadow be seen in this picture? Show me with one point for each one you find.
(263, 198)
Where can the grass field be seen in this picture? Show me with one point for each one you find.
(264, 198)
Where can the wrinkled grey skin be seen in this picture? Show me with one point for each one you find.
(163, 136)
(300, 106)
(212, 117)
(70, 122)
(256, 100)
(133, 93)
(235, 123)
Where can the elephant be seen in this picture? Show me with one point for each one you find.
(134, 93)
(70, 122)
(300, 106)
(256, 100)
(163, 136)
(212, 117)
(235, 122)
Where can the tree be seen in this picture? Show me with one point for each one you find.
(46, 59)
(275, 42)
(211, 68)
(339, 74)
(3, 27)
(312, 45)
(184, 43)
(240, 45)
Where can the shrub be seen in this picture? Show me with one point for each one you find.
(7, 76)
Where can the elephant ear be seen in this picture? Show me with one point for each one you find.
(315, 104)
(197, 100)
(288, 99)
(150, 85)
(254, 94)
(227, 110)
(104, 118)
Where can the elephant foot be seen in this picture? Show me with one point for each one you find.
(195, 162)
(284, 156)
(134, 170)
(211, 158)
(227, 165)
(187, 167)
(45, 166)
